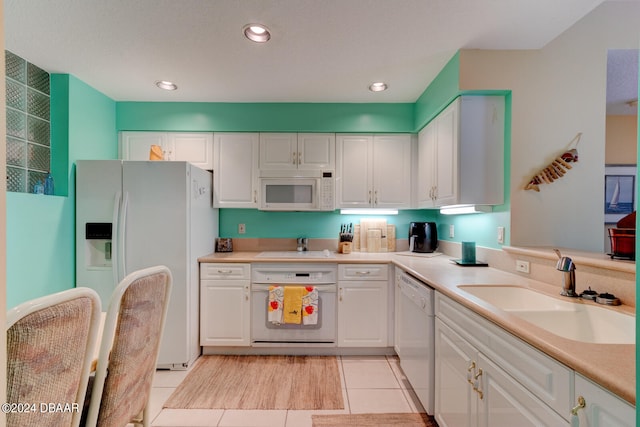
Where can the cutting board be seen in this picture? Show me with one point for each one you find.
(391, 238)
(376, 241)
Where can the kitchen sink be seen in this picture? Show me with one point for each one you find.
(571, 319)
(296, 254)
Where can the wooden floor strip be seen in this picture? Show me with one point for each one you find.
(380, 420)
(260, 382)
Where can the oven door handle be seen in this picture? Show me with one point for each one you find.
(262, 287)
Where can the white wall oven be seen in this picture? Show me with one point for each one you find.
(321, 276)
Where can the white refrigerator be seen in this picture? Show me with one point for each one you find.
(135, 214)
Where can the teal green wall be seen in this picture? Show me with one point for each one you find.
(442, 90)
(318, 225)
(264, 117)
(40, 229)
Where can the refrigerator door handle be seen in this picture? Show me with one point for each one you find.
(115, 251)
(122, 231)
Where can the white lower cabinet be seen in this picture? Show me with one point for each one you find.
(602, 409)
(225, 306)
(486, 378)
(363, 305)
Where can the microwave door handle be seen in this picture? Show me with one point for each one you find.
(115, 224)
(123, 235)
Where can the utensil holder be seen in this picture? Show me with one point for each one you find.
(344, 247)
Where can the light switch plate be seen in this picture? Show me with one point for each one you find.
(501, 235)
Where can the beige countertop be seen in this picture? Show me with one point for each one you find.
(610, 365)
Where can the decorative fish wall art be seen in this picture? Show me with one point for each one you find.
(557, 168)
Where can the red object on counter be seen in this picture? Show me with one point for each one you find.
(623, 242)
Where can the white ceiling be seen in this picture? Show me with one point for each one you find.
(622, 81)
(320, 51)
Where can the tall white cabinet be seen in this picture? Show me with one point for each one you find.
(461, 154)
(194, 147)
(373, 171)
(235, 175)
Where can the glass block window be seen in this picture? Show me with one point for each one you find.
(28, 124)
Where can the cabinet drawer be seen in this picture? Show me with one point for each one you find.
(363, 271)
(544, 376)
(227, 271)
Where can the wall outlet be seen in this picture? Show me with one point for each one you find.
(451, 232)
(241, 229)
(501, 235)
(522, 266)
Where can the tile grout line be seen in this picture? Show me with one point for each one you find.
(399, 381)
(347, 404)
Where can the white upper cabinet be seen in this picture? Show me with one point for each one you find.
(280, 151)
(137, 145)
(373, 171)
(235, 176)
(196, 148)
(193, 147)
(461, 154)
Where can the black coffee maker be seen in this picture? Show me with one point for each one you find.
(423, 237)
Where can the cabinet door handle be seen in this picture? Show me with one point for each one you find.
(375, 198)
(362, 273)
(225, 271)
(294, 157)
(299, 157)
(477, 381)
(472, 366)
(255, 196)
(341, 294)
(581, 405)
(470, 370)
(369, 196)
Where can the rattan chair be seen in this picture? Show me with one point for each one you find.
(129, 349)
(50, 344)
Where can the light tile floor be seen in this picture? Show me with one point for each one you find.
(369, 384)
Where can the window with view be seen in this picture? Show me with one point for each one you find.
(28, 124)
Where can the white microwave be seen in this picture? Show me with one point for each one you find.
(297, 190)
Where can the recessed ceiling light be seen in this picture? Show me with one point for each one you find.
(256, 33)
(166, 85)
(378, 87)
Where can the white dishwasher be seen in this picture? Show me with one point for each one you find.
(415, 336)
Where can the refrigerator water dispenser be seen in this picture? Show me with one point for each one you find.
(98, 244)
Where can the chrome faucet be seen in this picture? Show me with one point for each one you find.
(568, 268)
